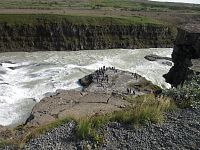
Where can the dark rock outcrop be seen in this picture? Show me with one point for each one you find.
(86, 81)
(185, 55)
(152, 57)
(64, 35)
(162, 60)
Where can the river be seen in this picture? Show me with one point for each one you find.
(25, 77)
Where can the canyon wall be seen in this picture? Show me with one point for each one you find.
(186, 54)
(45, 34)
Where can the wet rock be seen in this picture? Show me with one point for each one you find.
(86, 81)
(12, 68)
(167, 63)
(152, 57)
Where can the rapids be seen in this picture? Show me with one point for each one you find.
(25, 78)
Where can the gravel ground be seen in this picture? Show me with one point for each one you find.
(181, 130)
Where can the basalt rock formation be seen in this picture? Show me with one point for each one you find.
(185, 55)
(66, 35)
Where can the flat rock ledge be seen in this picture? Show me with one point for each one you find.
(98, 97)
(115, 81)
(74, 104)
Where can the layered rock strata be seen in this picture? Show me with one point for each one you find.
(47, 35)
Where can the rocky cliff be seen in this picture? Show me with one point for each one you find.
(42, 33)
(185, 55)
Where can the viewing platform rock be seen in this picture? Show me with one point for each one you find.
(104, 91)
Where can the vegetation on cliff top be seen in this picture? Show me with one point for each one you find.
(32, 19)
(133, 5)
(187, 95)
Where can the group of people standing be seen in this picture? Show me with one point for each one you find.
(130, 91)
(101, 78)
(100, 75)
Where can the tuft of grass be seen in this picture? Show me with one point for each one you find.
(84, 128)
(87, 127)
(145, 109)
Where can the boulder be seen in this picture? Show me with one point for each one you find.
(153, 57)
(86, 81)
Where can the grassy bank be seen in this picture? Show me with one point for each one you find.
(132, 5)
(31, 19)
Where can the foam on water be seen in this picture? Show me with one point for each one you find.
(25, 78)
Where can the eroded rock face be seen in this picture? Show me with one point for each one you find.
(46, 35)
(187, 47)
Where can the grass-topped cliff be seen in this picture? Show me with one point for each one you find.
(33, 19)
(34, 32)
(134, 5)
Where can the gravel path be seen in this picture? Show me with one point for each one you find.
(181, 130)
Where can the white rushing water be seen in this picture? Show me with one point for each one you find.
(179, 1)
(25, 78)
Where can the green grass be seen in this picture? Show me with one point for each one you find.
(32, 19)
(96, 4)
(145, 109)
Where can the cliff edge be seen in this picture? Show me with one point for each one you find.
(185, 55)
(64, 33)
